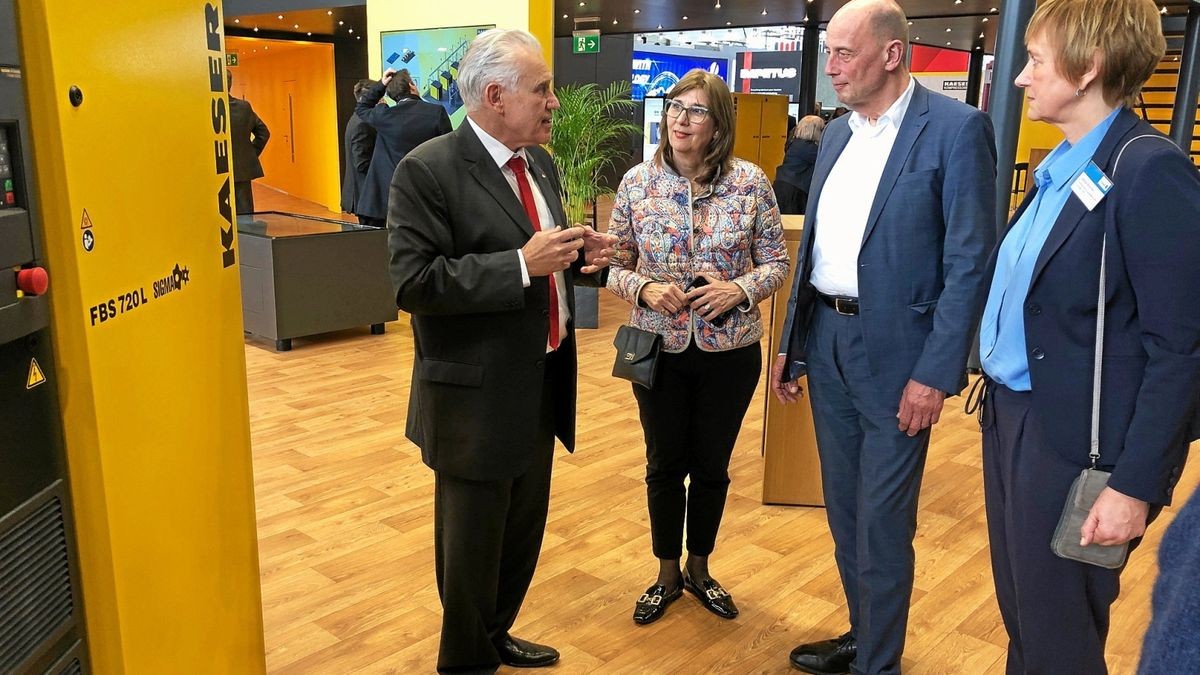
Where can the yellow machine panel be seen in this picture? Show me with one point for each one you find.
(130, 125)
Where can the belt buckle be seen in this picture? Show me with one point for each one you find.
(837, 307)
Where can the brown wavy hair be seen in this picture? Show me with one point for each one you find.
(719, 154)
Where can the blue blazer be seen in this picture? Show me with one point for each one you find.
(1151, 376)
(929, 232)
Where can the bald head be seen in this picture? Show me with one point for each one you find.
(883, 19)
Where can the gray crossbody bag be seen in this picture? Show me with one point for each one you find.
(1091, 481)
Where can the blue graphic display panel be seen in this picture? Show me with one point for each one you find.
(431, 56)
(654, 74)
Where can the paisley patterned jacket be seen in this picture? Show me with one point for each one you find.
(731, 231)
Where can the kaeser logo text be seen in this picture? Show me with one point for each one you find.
(220, 117)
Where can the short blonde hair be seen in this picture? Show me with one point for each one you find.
(809, 128)
(719, 154)
(1127, 34)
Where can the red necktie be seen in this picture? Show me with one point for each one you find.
(517, 165)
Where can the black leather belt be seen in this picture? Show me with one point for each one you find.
(842, 305)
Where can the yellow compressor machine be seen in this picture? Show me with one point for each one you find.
(127, 525)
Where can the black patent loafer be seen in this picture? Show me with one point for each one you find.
(653, 603)
(714, 598)
(519, 653)
(827, 657)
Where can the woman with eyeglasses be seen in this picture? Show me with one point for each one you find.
(700, 245)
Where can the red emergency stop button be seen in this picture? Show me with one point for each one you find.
(33, 281)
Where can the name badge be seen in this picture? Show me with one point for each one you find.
(1091, 186)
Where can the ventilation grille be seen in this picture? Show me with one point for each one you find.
(35, 584)
(73, 668)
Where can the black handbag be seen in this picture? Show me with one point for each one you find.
(637, 355)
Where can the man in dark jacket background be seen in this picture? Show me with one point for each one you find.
(359, 145)
(249, 135)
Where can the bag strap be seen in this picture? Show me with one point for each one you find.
(1098, 359)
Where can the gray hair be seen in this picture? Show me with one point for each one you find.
(809, 128)
(492, 58)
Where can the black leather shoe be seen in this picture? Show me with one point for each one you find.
(653, 604)
(827, 657)
(520, 653)
(714, 598)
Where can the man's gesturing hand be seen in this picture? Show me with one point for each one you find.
(550, 251)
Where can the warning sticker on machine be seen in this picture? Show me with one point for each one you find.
(36, 376)
(123, 303)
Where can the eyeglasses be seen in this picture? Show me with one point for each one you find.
(696, 113)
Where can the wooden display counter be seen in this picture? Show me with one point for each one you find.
(792, 474)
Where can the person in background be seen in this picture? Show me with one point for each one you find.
(359, 146)
(699, 246)
(794, 176)
(899, 224)
(483, 258)
(248, 135)
(398, 129)
(1170, 645)
(1118, 190)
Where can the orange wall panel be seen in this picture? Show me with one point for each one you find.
(291, 86)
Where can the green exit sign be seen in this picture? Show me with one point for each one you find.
(231, 59)
(586, 42)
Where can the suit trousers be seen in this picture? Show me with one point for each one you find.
(1056, 611)
(691, 421)
(871, 476)
(243, 196)
(487, 537)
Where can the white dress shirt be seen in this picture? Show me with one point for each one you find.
(846, 199)
(501, 154)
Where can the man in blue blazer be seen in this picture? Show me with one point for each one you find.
(886, 299)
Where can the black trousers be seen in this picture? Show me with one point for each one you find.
(243, 196)
(487, 537)
(871, 475)
(1056, 611)
(691, 420)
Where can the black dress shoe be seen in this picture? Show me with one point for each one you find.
(714, 598)
(520, 653)
(653, 603)
(827, 657)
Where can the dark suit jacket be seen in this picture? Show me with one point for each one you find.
(794, 177)
(1151, 376)
(455, 227)
(398, 130)
(928, 235)
(249, 136)
(360, 144)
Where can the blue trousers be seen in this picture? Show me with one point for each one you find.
(871, 474)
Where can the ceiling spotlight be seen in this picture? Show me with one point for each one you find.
(255, 51)
(295, 25)
(718, 5)
(564, 16)
(981, 35)
(1164, 10)
(978, 47)
(280, 17)
(992, 10)
(730, 23)
(917, 37)
(256, 29)
(910, 23)
(637, 11)
(685, 18)
(947, 44)
(660, 26)
(948, 30)
(357, 37)
(329, 12)
(237, 20)
(614, 22)
(265, 48)
(985, 19)
(310, 34)
(351, 30)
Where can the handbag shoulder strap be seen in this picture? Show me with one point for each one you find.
(1098, 359)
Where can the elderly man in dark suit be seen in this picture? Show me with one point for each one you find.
(359, 146)
(886, 299)
(249, 135)
(483, 262)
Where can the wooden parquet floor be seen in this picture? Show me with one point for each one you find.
(345, 535)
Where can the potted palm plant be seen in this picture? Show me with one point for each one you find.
(588, 137)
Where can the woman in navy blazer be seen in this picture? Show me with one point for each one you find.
(1115, 181)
